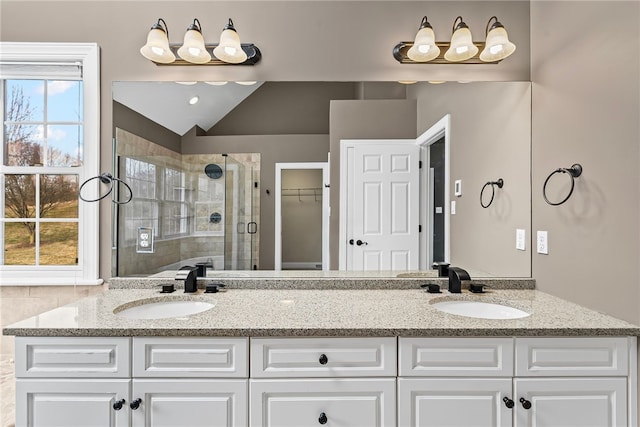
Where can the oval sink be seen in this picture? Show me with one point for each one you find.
(164, 309)
(481, 310)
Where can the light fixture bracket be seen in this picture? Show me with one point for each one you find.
(253, 55)
(400, 54)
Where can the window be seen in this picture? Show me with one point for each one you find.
(50, 146)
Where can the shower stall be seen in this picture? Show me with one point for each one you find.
(186, 209)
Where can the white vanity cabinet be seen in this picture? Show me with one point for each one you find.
(346, 382)
(82, 382)
(521, 382)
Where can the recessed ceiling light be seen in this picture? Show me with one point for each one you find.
(217, 83)
(247, 83)
(194, 100)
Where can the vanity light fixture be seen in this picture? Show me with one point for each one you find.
(194, 50)
(461, 47)
(424, 47)
(497, 45)
(460, 50)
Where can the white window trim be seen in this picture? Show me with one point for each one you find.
(87, 271)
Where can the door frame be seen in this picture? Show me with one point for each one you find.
(324, 166)
(442, 128)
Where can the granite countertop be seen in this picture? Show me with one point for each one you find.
(323, 312)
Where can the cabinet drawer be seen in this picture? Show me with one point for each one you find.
(597, 356)
(445, 357)
(334, 402)
(100, 357)
(323, 357)
(190, 357)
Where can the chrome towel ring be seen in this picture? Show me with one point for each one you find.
(574, 172)
(499, 183)
(107, 179)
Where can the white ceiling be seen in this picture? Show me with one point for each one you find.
(167, 103)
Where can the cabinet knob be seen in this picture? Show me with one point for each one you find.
(525, 403)
(323, 418)
(117, 405)
(508, 402)
(323, 360)
(135, 404)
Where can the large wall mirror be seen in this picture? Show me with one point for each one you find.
(201, 160)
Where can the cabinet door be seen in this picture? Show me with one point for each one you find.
(334, 402)
(193, 403)
(571, 402)
(454, 402)
(71, 402)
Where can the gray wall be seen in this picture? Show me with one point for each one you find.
(333, 41)
(490, 139)
(129, 120)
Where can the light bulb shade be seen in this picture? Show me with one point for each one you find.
(461, 47)
(497, 46)
(193, 49)
(424, 47)
(229, 50)
(157, 47)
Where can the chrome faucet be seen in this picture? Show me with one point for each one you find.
(456, 276)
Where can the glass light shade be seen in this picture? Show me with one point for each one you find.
(247, 83)
(424, 47)
(193, 49)
(220, 83)
(229, 49)
(157, 47)
(497, 46)
(462, 47)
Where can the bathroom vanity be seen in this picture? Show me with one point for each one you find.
(335, 357)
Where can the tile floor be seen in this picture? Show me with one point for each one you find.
(21, 302)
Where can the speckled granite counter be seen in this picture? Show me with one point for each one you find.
(335, 312)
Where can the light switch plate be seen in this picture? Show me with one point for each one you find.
(457, 187)
(543, 243)
(520, 239)
(453, 207)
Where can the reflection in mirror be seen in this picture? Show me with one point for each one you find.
(279, 122)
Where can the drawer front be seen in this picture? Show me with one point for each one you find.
(445, 357)
(190, 357)
(593, 356)
(323, 357)
(44, 357)
(333, 402)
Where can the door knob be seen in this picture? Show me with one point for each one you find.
(508, 402)
(525, 403)
(135, 404)
(351, 242)
(360, 243)
(323, 418)
(323, 359)
(117, 405)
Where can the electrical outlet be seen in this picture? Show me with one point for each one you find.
(543, 243)
(144, 241)
(520, 239)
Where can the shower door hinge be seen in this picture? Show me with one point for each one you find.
(419, 228)
(419, 164)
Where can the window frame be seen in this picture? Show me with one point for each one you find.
(86, 272)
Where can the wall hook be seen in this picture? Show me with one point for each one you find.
(574, 172)
(499, 183)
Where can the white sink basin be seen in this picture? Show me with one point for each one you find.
(164, 309)
(479, 309)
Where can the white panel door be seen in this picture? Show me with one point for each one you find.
(72, 402)
(571, 402)
(454, 402)
(382, 227)
(361, 402)
(192, 402)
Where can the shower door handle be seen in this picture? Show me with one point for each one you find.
(252, 227)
